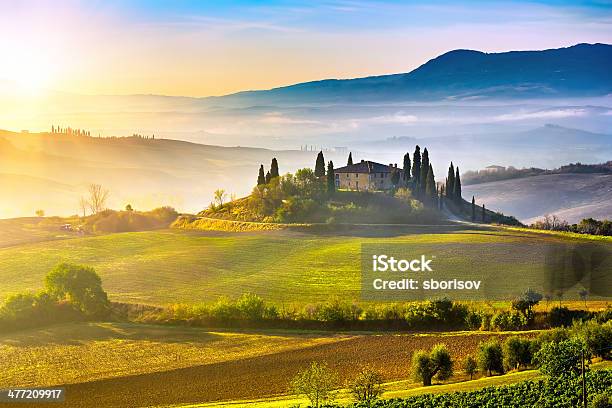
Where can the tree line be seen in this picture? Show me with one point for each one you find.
(69, 131)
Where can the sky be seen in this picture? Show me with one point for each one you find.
(203, 48)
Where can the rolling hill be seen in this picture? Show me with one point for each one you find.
(571, 197)
(580, 70)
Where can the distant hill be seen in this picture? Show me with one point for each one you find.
(570, 196)
(51, 171)
(580, 70)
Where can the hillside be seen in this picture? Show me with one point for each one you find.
(571, 197)
(145, 173)
(580, 70)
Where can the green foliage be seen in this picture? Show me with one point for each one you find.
(367, 386)
(315, 382)
(331, 178)
(424, 172)
(470, 366)
(407, 167)
(274, 168)
(320, 165)
(596, 337)
(556, 359)
(457, 186)
(436, 363)
(561, 392)
(350, 159)
(450, 182)
(517, 353)
(491, 357)
(601, 401)
(109, 221)
(509, 320)
(81, 286)
(416, 165)
(261, 177)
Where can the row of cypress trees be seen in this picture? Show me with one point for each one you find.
(264, 178)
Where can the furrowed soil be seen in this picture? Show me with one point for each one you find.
(252, 373)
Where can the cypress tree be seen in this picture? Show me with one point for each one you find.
(320, 165)
(331, 178)
(483, 213)
(473, 209)
(274, 168)
(450, 182)
(416, 165)
(430, 189)
(261, 178)
(424, 172)
(350, 159)
(268, 177)
(457, 188)
(407, 167)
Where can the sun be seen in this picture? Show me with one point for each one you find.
(30, 74)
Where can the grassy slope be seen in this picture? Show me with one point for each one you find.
(160, 267)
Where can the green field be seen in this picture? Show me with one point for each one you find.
(172, 266)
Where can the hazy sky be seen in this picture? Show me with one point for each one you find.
(217, 47)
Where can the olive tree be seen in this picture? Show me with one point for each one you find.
(315, 382)
(436, 363)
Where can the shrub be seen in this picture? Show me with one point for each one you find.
(437, 363)
(81, 286)
(601, 401)
(556, 359)
(250, 306)
(315, 382)
(491, 357)
(596, 337)
(473, 320)
(367, 386)
(509, 320)
(470, 366)
(517, 353)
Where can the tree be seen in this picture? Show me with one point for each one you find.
(424, 172)
(331, 178)
(430, 184)
(457, 187)
(274, 168)
(395, 178)
(470, 367)
(559, 358)
(367, 386)
(526, 302)
(40, 213)
(416, 165)
(320, 165)
(583, 293)
(219, 197)
(483, 213)
(350, 159)
(473, 209)
(80, 285)
(316, 383)
(517, 353)
(97, 198)
(268, 177)
(83, 205)
(261, 178)
(407, 167)
(437, 363)
(450, 182)
(129, 207)
(491, 357)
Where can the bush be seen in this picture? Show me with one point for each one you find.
(556, 359)
(601, 401)
(491, 357)
(470, 366)
(81, 286)
(367, 386)
(596, 337)
(509, 320)
(437, 363)
(316, 383)
(517, 353)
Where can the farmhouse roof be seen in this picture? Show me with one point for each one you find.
(365, 166)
